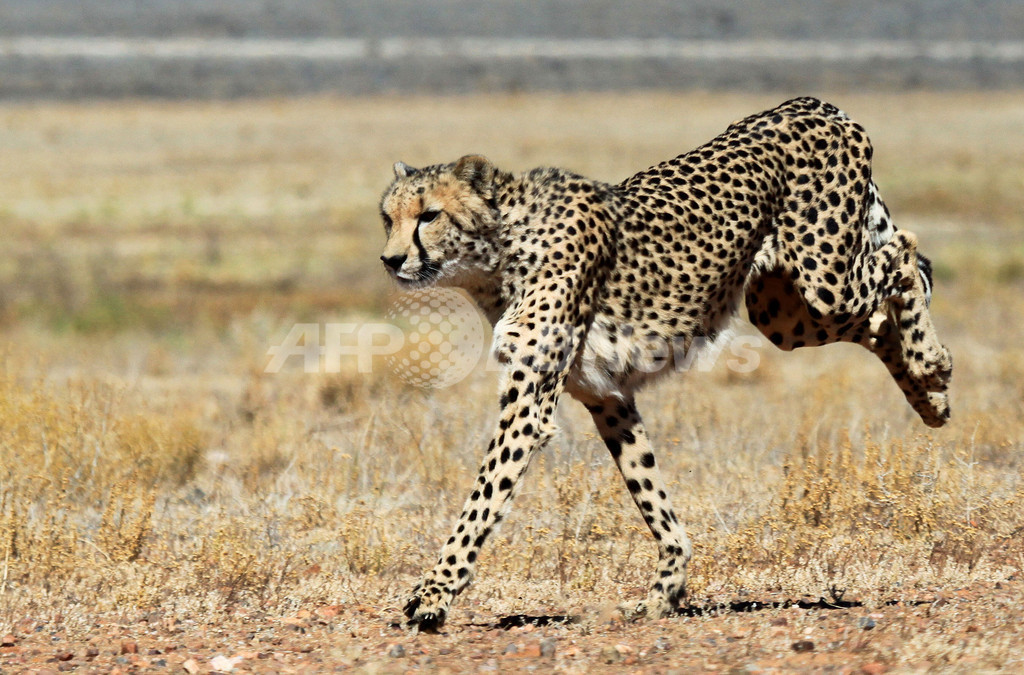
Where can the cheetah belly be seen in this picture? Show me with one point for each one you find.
(616, 363)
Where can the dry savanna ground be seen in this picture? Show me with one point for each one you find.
(165, 503)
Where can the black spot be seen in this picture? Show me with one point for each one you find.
(647, 459)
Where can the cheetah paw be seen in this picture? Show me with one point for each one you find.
(656, 608)
(426, 610)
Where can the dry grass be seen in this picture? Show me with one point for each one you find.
(153, 252)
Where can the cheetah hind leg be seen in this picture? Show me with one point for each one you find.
(899, 330)
(622, 429)
(903, 336)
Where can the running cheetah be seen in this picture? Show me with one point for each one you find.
(584, 280)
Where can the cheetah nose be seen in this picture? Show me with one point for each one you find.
(395, 262)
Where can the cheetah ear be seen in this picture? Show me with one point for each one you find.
(477, 171)
(403, 170)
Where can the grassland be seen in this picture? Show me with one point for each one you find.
(158, 487)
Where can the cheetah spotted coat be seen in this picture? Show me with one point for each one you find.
(597, 289)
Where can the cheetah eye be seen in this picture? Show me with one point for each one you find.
(428, 216)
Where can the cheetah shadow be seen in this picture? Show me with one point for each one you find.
(739, 607)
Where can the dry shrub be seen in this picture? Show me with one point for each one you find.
(38, 543)
(848, 508)
(240, 559)
(364, 548)
(126, 523)
(159, 450)
(79, 473)
(82, 433)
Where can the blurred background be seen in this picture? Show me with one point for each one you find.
(218, 48)
(181, 181)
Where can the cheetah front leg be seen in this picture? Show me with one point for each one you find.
(624, 434)
(528, 401)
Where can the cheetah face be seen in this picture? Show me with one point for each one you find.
(440, 222)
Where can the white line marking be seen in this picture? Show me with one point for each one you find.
(483, 49)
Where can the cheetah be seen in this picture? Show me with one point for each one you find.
(583, 280)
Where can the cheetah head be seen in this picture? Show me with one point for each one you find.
(441, 222)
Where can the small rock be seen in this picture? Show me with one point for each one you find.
(8, 640)
(511, 649)
(803, 646)
(618, 654)
(295, 623)
(662, 644)
(92, 652)
(396, 651)
(873, 668)
(780, 621)
(160, 663)
(152, 617)
(610, 654)
(223, 664)
(548, 646)
(191, 666)
(866, 622)
(328, 612)
(129, 647)
(65, 656)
